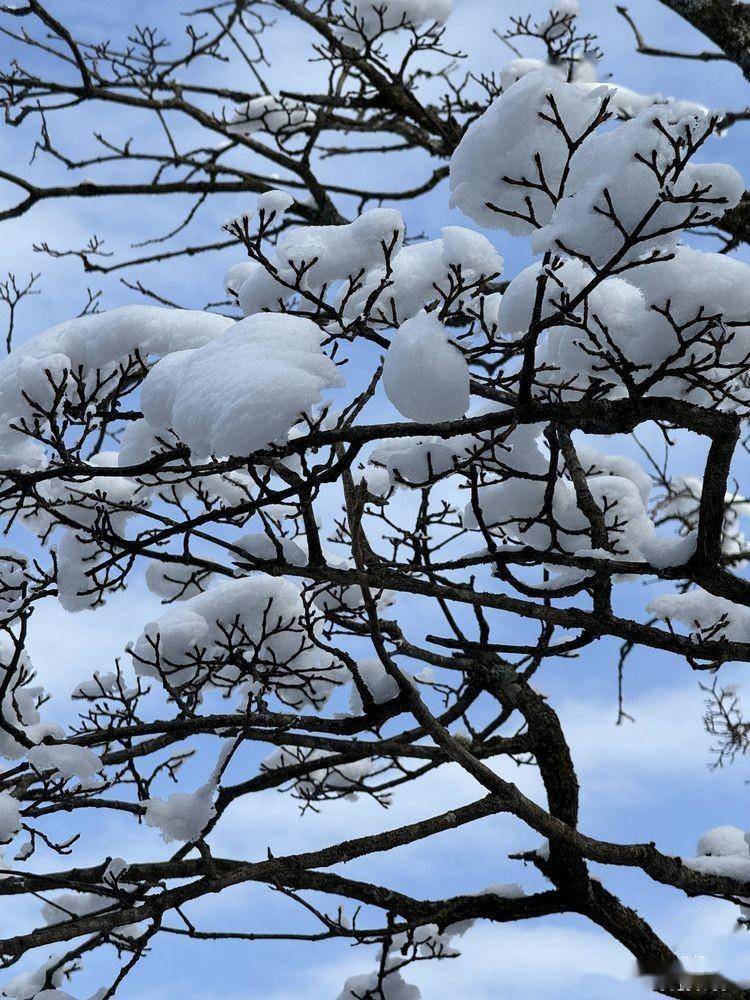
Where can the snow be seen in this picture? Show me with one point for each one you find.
(414, 461)
(509, 170)
(426, 942)
(336, 252)
(236, 275)
(513, 70)
(731, 866)
(517, 449)
(83, 502)
(694, 287)
(700, 610)
(262, 291)
(99, 339)
(723, 841)
(195, 621)
(174, 581)
(20, 706)
(62, 995)
(258, 615)
(272, 203)
(245, 390)
(565, 280)
(626, 103)
(487, 310)
(692, 280)
(262, 546)
(19, 452)
(270, 113)
(10, 817)
(611, 162)
(140, 442)
(68, 905)
(376, 480)
(510, 504)
(394, 987)
(619, 308)
(470, 251)
(68, 760)
(503, 142)
(422, 273)
(625, 516)
(430, 939)
(378, 682)
(425, 376)
(594, 462)
(682, 504)
(75, 557)
(182, 816)
(337, 597)
(504, 890)
(91, 344)
(99, 686)
(269, 207)
(560, 14)
(113, 871)
(369, 17)
(29, 985)
(405, 462)
(342, 779)
(667, 552)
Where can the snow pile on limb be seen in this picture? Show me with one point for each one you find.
(182, 816)
(334, 781)
(625, 330)
(425, 376)
(536, 163)
(704, 613)
(245, 631)
(67, 760)
(623, 101)
(412, 462)
(515, 136)
(97, 340)
(19, 705)
(392, 987)
(423, 942)
(310, 258)
(245, 390)
(270, 113)
(330, 253)
(682, 505)
(69, 905)
(510, 507)
(175, 581)
(723, 851)
(608, 179)
(368, 18)
(378, 682)
(10, 817)
(68, 360)
(423, 273)
(32, 985)
(83, 503)
(723, 841)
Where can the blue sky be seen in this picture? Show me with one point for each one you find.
(641, 781)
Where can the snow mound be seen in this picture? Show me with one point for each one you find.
(245, 390)
(425, 376)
